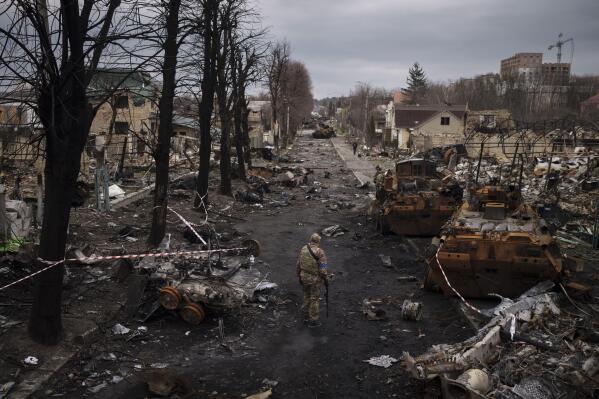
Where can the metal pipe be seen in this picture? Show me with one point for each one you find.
(521, 169)
(480, 158)
(514, 158)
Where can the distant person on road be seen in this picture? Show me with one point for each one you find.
(312, 273)
(355, 146)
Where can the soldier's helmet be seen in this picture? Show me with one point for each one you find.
(315, 238)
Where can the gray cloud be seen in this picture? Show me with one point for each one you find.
(344, 41)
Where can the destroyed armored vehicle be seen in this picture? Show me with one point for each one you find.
(218, 281)
(324, 132)
(417, 201)
(494, 244)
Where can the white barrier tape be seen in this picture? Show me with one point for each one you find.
(31, 275)
(92, 259)
(188, 225)
(471, 307)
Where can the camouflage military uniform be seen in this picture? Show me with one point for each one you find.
(311, 274)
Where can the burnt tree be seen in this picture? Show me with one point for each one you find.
(55, 50)
(208, 26)
(165, 129)
(224, 99)
(276, 63)
(247, 56)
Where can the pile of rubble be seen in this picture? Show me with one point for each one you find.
(260, 179)
(533, 347)
(569, 180)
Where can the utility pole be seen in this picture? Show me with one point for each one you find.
(366, 113)
(559, 45)
(287, 120)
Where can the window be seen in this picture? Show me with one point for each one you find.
(416, 170)
(489, 120)
(122, 102)
(445, 120)
(121, 127)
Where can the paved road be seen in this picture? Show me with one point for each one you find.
(362, 168)
(267, 343)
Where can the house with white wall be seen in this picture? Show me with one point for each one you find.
(427, 126)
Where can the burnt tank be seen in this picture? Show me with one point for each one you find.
(416, 200)
(495, 243)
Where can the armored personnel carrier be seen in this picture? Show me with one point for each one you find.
(495, 243)
(417, 200)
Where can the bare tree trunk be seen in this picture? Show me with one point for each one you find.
(61, 171)
(211, 41)
(239, 141)
(225, 153)
(165, 130)
(245, 132)
(238, 92)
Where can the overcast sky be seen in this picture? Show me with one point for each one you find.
(375, 41)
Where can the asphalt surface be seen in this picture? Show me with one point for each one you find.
(266, 345)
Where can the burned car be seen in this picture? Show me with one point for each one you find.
(494, 244)
(417, 200)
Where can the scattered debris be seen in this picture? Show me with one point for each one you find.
(31, 360)
(407, 278)
(262, 395)
(119, 329)
(411, 310)
(386, 260)
(371, 308)
(97, 388)
(529, 345)
(163, 382)
(334, 231)
(385, 361)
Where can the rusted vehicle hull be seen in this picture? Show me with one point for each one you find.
(414, 222)
(479, 267)
(417, 200)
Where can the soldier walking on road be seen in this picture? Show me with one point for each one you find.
(312, 272)
(355, 146)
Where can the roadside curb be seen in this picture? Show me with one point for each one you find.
(362, 179)
(79, 332)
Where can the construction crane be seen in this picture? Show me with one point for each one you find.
(559, 45)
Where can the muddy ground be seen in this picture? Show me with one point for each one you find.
(266, 344)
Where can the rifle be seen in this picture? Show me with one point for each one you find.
(326, 294)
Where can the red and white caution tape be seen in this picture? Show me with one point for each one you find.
(93, 259)
(471, 307)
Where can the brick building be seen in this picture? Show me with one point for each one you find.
(531, 68)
